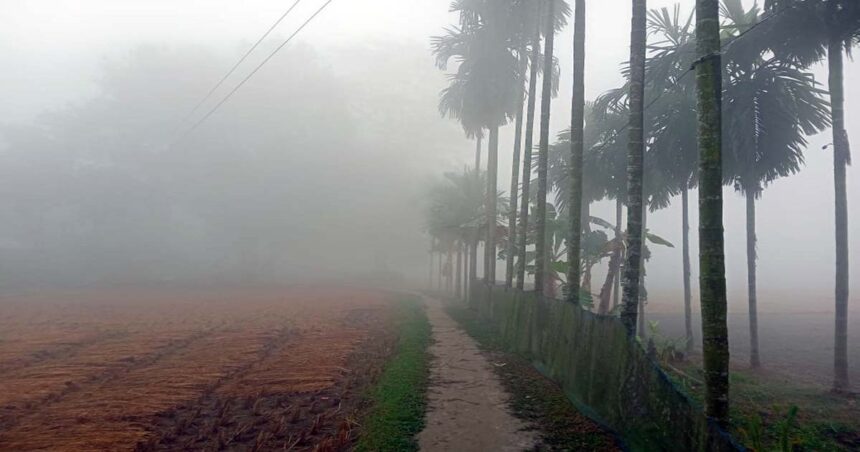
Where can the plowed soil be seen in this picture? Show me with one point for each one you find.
(238, 369)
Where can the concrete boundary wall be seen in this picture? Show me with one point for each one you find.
(607, 376)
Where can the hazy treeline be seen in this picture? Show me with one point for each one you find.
(292, 178)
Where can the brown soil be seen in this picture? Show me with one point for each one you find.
(237, 369)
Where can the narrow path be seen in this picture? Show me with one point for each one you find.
(467, 409)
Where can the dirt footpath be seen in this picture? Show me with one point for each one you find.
(467, 409)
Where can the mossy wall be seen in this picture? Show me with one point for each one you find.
(606, 375)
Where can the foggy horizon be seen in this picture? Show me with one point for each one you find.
(59, 68)
(254, 226)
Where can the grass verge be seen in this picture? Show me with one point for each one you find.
(534, 398)
(398, 400)
(771, 412)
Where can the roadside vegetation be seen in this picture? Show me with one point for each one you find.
(770, 412)
(398, 401)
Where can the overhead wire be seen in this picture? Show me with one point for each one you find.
(252, 73)
(238, 63)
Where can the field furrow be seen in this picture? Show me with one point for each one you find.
(199, 370)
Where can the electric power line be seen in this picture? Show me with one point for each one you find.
(256, 69)
(238, 63)
(766, 19)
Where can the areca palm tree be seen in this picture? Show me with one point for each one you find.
(646, 186)
(577, 128)
(534, 64)
(534, 14)
(830, 28)
(661, 177)
(607, 167)
(541, 261)
(771, 105)
(482, 92)
(673, 123)
(606, 160)
(456, 212)
(487, 89)
(599, 169)
(515, 172)
(635, 169)
(712, 271)
(603, 165)
(529, 37)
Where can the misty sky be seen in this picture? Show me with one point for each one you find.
(54, 52)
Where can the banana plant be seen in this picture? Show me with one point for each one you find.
(597, 245)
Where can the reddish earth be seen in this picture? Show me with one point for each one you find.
(171, 370)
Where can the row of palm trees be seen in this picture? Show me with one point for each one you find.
(772, 105)
(755, 102)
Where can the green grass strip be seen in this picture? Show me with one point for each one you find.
(399, 400)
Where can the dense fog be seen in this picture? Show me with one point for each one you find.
(313, 171)
(316, 168)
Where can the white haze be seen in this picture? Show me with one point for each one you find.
(316, 167)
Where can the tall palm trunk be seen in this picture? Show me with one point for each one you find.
(430, 279)
(439, 273)
(619, 208)
(635, 156)
(486, 264)
(712, 268)
(527, 159)
(685, 233)
(492, 198)
(841, 158)
(458, 275)
(515, 180)
(611, 278)
(474, 274)
(478, 155)
(751, 279)
(464, 248)
(541, 260)
(585, 277)
(449, 265)
(643, 294)
(473, 264)
(574, 238)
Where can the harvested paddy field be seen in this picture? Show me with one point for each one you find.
(243, 369)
